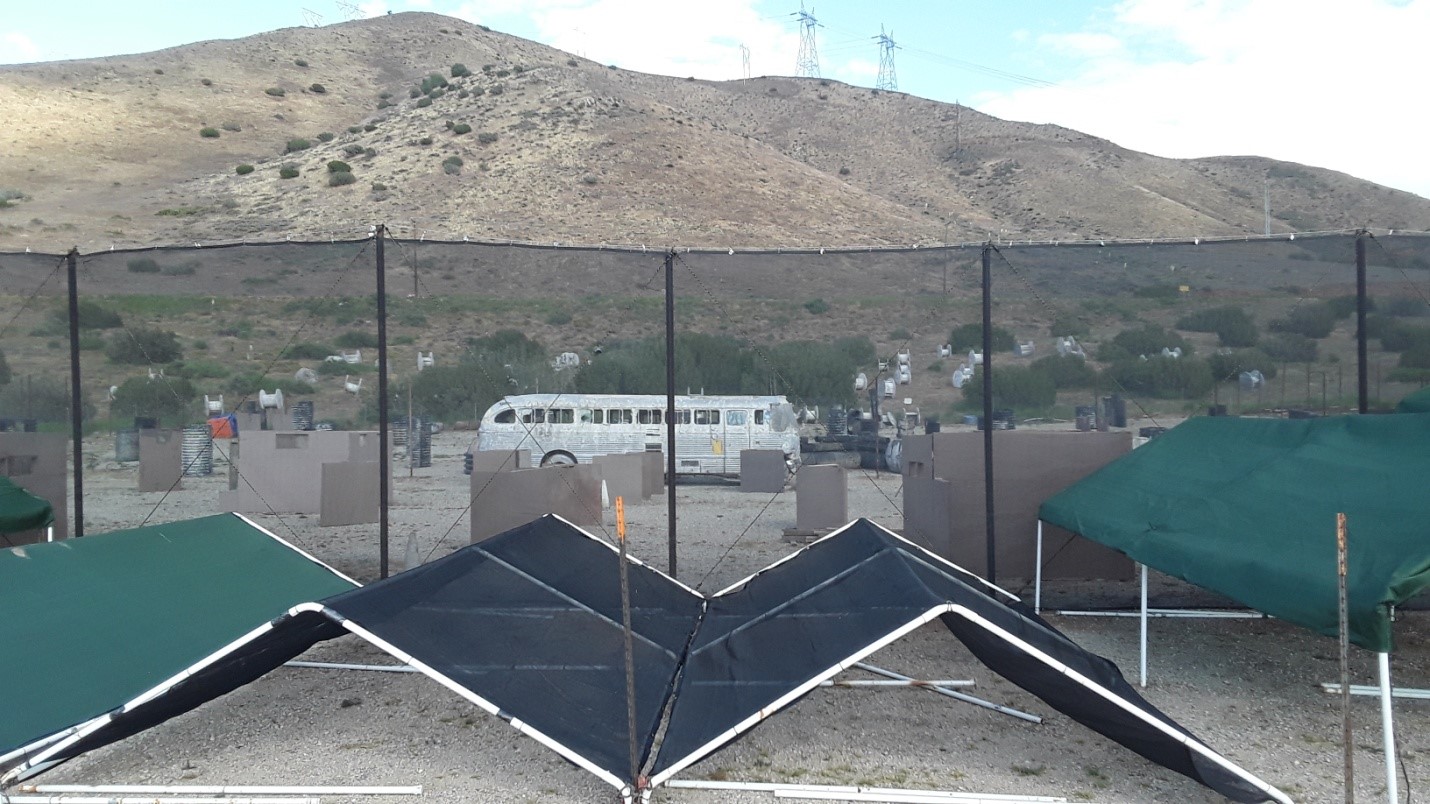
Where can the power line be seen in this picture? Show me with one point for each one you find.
(887, 79)
(806, 65)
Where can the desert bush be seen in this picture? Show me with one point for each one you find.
(208, 82)
(571, 63)
(244, 169)
(142, 346)
(301, 62)
(1165, 377)
(1405, 307)
(431, 82)
(487, 137)
(1065, 325)
(198, 369)
(1416, 357)
(425, 141)
(188, 268)
(1311, 319)
(142, 265)
(844, 171)
(1066, 371)
(357, 339)
(352, 150)
(276, 92)
(900, 334)
(452, 165)
(459, 70)
(326, 136)
(1148, 339)
(46, 398)
(166, 398)
(503, 73)
(288, 171)
(297, 144)
(560, 318)
(339, 166)
(1227, 365)
(498, 89)
(423, 103)
(248, 384)
(816, 306)
(208, 132)
(92, 315)
(1289, 347)
(461, 128)
(307, 350)
(317, 89)
(379, 187)
(230, 126)
(970, 336)
(1013, 387)
(90, 342)
(341, 179)
(1397, 336)
(589, 178)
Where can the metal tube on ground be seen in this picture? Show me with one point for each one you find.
(901, 797)
(776, 787)
(891, 682)
(1369, 689)
(381, 668)
(1038, 573)
(1387, 731)
(1142, 635)
(41, 799)
(958, 696)
(228, 789)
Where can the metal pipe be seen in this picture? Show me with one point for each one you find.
(988, 409)
(958, 696)
(1343, 638)
(1190, 614)
(228, 789)
(1369, 689)
(1038, 573)
(381, 668)
(76, 408)
(897, 797)
(891, 682)
(1387, 731)
(1362, 377)
(383, 469)
(1142, 635)
(158, 800)
(670, 408)
(835, 791)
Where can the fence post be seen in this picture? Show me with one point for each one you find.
(76, 407)
(670, 406)
(383, 467)
(1362, 376)
(988, 408)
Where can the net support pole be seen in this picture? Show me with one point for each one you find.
(384, 469)
(1347, 743)
(1362, 376)
(670, 408)
(629, 648)
(1142, 629)
(988, 407)
(76, 408)
(1038, 573)
(1387, 730)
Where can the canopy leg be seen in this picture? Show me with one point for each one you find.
(1038, 573)
(1143, 628)
(1387, 731)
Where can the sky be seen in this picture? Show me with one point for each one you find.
(1336, 84)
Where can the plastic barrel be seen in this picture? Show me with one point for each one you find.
(197, 451)
(126, 445)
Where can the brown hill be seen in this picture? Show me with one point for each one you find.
(110, 151)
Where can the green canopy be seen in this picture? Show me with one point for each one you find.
(92, 623)
(1247, 508)
(20, 510)
(1418, 402)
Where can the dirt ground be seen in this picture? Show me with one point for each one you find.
(1249, 688)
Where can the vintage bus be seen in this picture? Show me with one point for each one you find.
(710, 430)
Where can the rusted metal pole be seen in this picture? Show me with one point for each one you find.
(1348, 745)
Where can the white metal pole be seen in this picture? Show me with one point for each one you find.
(379, 668)
(1038, 573)
(50, 533)
(1143, 628)
(892, 682)
(225, 790)
(41, 799)
(1387, 729)
(959, 696)
(848, 790)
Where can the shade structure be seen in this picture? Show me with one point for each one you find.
(20, 510)
(1247, 508)
(527, 625)
(100, 620)
(1418, 402)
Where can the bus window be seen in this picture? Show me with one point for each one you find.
(526, 416)
(584, 415)
(707, 417)
(538, 416)
(506, 417)
(617, 416)
(598, 416)
(735, 418)
(759, 417)
(562, 416)
(682, 417)
(650, 416)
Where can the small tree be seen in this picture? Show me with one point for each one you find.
(339, 166)
(141, 346)
(341, 179)
(164, 398)
(970, 336)
(297, 144)
(459, 70)
(1014, 387)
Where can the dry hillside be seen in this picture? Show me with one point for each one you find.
(539, 145)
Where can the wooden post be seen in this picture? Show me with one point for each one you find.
(1348, 745)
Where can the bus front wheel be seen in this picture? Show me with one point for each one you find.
(558, 459)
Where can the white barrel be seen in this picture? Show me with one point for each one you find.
(197, 451)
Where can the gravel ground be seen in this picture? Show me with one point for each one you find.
(1249, 688)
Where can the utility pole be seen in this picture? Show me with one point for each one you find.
(744, 61)
(1266, 204)
(807, 64)
(887, 79)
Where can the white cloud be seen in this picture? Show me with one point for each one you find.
(1333, 85)
(419, 3)
(16, 47)
(373, 8)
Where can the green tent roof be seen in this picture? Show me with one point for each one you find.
(20, 510)
(1418, 402)
(1247, 507)
(92, 623)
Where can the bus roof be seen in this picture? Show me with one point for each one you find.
(636, 401)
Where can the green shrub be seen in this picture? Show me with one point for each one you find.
(459, 70)
(503, 73)
(384, 95)
(1405, 307)
(1290, 347)
(339, 166)
(305, 350)
(90, 342)
(341, 179)
(301, 62)
(182, 269)
(276, 92)
(354, 129)
(433, 81)
(1397, 336)
(487, 137)
(288, 171)
(1065, 325)
(143, 265)
(46, 398)
(1228, 365)
(1013, 387)
(297, 144)
(92, 315)
(1066, 371)
(461, 128)
(498, 89)
(452, 165)
(589, 178)
(970, 336)
(571, 63)
(351, 150)
(1231, 324)
(1148, 339)
(379, 187)
(1311, 319)
(317, 89)
(4, 369)
(141, 346)
(1165, 377)
(165, 398)
(425, 141)
(244, 169)
(208, 132)
(559, 318)
(423, 103)
(231, 126)
(357, 339)
(208, 82)
(201, 345)
(326, 136)
(248, 384)
(1416, 357)
(816, 306)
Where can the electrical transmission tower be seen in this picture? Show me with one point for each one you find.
(888, 79)
(807, 64)
(311, 18)
(744, 61)
(350, 10)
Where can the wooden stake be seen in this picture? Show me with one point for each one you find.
(1346, 741)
